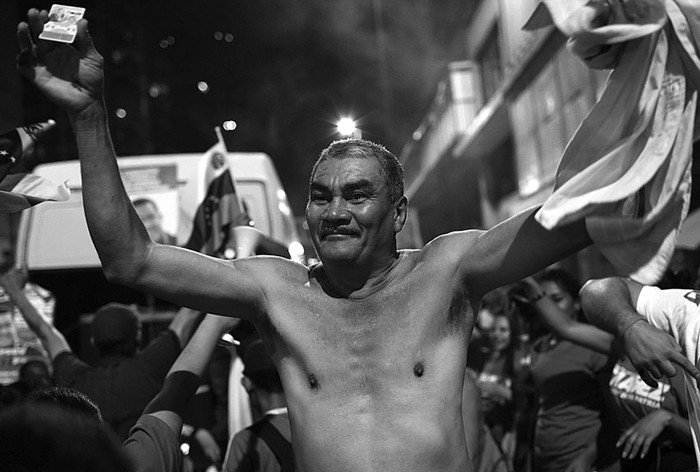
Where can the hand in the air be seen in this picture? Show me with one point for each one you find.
(68, 74)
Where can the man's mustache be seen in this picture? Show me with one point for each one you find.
(327, 230)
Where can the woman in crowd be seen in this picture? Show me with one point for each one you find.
(571, 384)
(493, 371)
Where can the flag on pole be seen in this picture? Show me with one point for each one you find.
(221, 208)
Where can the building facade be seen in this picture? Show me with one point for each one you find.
(492, 139)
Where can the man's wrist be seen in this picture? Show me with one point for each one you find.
(626, 327)
(93, 113)
(665, 416)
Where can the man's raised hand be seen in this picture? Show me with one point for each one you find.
(70, 75)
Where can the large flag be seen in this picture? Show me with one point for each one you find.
(221, 208)
(21, 191)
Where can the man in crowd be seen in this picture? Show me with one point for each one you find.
(125, 380)
(154, 442)
(265, 445)
(371, 343)
(635, 313)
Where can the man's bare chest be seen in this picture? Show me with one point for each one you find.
(407, 308)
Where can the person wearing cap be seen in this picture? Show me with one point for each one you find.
(153, 444)
(125, 379)
(265, 445)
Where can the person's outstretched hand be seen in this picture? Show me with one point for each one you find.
(70, 75)
(654, 352)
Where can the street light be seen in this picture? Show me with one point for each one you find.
(346, 127)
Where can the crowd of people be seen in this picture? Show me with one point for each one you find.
(365, 361)
(556, 393)
(560, 393)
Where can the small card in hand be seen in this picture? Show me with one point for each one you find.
(63, 23)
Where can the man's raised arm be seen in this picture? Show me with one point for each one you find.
(518, 247)
(72, 77)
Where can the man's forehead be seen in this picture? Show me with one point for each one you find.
(348, 169)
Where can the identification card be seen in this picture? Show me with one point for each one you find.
(63, 23)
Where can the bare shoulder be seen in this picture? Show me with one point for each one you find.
(451, 247)
(273, 269)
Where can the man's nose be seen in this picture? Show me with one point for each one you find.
(337, 210)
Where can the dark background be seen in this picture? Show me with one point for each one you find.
(286, 73)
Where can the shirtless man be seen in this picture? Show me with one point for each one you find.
(370, 344)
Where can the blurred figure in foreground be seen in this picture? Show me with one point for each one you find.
(154, 442)
(41, 437)
(266, 445)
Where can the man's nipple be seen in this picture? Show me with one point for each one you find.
(313, 382)
(418, 369)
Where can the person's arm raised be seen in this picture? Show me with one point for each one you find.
(50, 337)
(184, 376)
(72, 77)
(518, 247)
(556, 320)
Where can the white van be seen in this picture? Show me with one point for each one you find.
(53, 235)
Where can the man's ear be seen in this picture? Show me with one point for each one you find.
(400, 213)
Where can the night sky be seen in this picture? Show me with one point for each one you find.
(284, 70)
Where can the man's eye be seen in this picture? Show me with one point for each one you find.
(357, 197)
(318, 198)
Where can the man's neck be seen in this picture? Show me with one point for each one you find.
(357, 282)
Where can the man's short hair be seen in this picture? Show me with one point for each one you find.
(115, 327)
(66, 397)
(352, 147)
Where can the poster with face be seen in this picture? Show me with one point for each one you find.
(153, 192)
